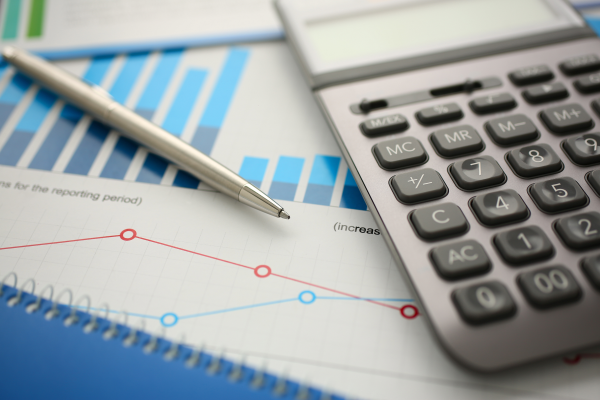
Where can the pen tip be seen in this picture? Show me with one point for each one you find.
(283, 214)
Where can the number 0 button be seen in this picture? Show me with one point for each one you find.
(580, 231)
(484, 302)
(477, 173)
(549, 287)
(557, 195)
(523, 245)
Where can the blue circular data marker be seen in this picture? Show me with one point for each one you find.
(307, 297)
(169, 319)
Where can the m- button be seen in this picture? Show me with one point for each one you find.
(567, 118)
(400, 153)
(439, 221)
(513, 129)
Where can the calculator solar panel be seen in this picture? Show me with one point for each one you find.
(485, 177)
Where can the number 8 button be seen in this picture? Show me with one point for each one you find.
(532, 161)
(549, 287)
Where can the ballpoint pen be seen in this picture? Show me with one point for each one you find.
(101, 106)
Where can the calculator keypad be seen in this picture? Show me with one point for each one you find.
(534, 160)
(400, 153)
(477, 173)
(558, 195)
(418, 186)
(545, 93)
(580, 231)
(457, 141)
(484, 302)
(549, 287)
(524, 245)
(440, 113)
(499, 208)
(567, 119)
(511, 130)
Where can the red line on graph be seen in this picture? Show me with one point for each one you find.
(577, 358)
(64, 241)
(133, 235)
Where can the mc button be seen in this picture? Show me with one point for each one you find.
(439, 221)
(400, 153)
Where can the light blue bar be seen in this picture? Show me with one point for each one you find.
(253, 169)
(97, 69)
(160, 79)
(324, 170)
(219, 102)
(15, 90)
(128, 76)
(184, 101)
(289, 169)
(37, 111)
(351, 197)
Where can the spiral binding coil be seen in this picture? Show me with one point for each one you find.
(171, 351)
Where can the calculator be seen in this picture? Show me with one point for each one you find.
(471, 128)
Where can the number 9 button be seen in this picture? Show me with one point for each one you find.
(583, 150)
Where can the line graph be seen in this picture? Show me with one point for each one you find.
(169, 319)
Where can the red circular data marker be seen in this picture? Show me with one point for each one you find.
(572, 360)
(128, 232)
(412, 313)
(262, 271)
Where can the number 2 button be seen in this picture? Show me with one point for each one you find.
(580, 231)
(557, 195)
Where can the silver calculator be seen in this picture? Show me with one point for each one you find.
(470, 127)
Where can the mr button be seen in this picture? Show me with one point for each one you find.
(439, 221)
(399, 153)
(460, 260)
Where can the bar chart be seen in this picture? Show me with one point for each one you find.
(190, 101)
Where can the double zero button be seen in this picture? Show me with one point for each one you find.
(400, 153)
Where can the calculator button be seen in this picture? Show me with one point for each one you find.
(457, 141)
(438, 114)
(418, 186)
(549, 287)
(400, 153)
(477, 173)
(460, 260)
(499, 208)
(591, 268)
(524, 245)
(580, 231)
(588, 84)
(529, 75)
(558, 194)
(484, 302)
(513, 129)
(384, 125)
(545, 92)
(493, 103)
(593, 179)
(567, 118)
(584, 149)
(534, 160)
(580, 65)
(439, 221)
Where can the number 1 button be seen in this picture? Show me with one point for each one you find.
(484, 302)
(477, 173)
(523, 245)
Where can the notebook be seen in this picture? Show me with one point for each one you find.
(50, 350)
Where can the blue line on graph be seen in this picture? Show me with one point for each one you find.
(305, 297)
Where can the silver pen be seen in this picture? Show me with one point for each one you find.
(101, 106)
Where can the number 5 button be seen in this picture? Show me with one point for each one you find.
(557, 195)
(580, 231)
(523, 245)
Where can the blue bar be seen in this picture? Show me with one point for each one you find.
(220, 100)
(96, 134)
(13, 93)
(158, 83)
(322, 180)
(27, 127)
(117, 164)
(69, 117)
(287, 176)
(351, 197)
(153, 169)
(88, 149)
(184, 101)
(186, 180)
(253, 170)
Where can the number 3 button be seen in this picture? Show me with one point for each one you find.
(580, 231)
(557, 195)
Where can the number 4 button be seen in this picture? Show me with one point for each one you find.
(499, 208)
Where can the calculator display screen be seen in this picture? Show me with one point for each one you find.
(413, 25)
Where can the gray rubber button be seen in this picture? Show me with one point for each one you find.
(529, 75)
(591, 268)
(580, 231)
(439, 221)
(513, 129)
(584, 149)
(477, 173)
(558, 195)
(400, 153)
(384, 125)
(484, 302)
(499, 208)
(534, 160)
(493, 103)
(593, 179)
(580, 64)
(418, 186)
(567, 118)
(457, 141)
(440, 113)
(549, 287)
(524, 245)
(545, 92)
(460, 260)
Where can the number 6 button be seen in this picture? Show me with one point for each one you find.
(548, 287)
(580, 231)
(484, 302)
(557, 195)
